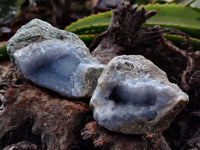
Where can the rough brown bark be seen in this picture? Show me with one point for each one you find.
(61, 13)
(124, 32)
(39, 116)
(24, 145)
(108, 140)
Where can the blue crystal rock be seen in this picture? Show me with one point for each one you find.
(59, 66)
(37, 31)
(133, 96)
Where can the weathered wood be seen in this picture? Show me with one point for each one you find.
(24, 145)
(108, 140)
(39, 116)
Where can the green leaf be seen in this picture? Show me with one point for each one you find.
(99, 19)
(184, 18)
(177, 40)
(87, 38)
(192, 31)
(91, 29)
(174, 15)
(3, 53)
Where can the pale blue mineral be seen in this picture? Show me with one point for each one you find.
(54, 59)
(133, 96)
(59, 66)
(36, 31)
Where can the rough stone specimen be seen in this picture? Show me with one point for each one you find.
(36, 31)
(133, 96)
(59, 66)
(54, 59)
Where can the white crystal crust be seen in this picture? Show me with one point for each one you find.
(59, 66)
(133, 96)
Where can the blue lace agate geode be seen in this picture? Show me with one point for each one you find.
(55, 59)
(59, 66)
(133, 96)
(37, 31)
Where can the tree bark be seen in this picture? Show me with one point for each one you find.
(41, 117)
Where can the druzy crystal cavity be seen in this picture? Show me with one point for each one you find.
(55, 59)
(133, 96)
(59, 66)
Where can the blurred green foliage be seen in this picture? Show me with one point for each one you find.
(192, 3)
(10, 8)
(3, 53)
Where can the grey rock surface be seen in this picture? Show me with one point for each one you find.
(133, 96)
(59, 66)
(36, 31)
